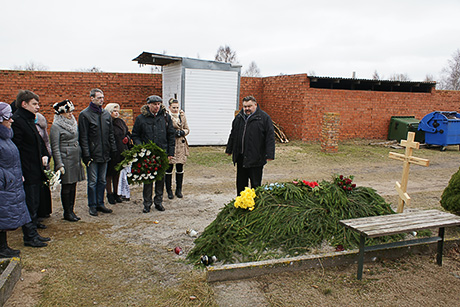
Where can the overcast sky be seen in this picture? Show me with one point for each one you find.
(327, 38)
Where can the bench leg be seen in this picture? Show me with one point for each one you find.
(362, 241)
(440, 246)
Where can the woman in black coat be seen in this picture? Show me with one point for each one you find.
(122, 140)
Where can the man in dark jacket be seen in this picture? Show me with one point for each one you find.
(154, 124)
(252, 143)
(97, 145)
(34, 157)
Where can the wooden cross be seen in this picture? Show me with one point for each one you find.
(407, 158)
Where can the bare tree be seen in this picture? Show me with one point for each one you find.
(226, 54)
(450, 75)
(429, 78)
(399, 77)
(376, 75)
(92, 69)
(31, 66)
(252, 71)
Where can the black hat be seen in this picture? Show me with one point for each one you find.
(154, 98)
(64, 106)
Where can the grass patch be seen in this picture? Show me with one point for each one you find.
(209, 156)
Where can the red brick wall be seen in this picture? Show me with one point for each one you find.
(128, 90)
(289, 100)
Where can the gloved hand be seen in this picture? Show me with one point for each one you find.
(45, 160)
(180, 133)
(87, 161)
(62, 170)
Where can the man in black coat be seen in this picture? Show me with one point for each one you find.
(97, 144)
(154, 124)
(252, 143)
(34, 158)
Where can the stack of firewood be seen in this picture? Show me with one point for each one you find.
(279, 134)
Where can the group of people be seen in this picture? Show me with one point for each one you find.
(98, 139)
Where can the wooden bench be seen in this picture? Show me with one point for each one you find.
(384, 225)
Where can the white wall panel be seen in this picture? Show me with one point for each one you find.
(172, 80)
(210, 102)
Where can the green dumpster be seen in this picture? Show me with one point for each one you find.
(401, 125)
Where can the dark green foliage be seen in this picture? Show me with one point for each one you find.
(288, 219)
(450, 199)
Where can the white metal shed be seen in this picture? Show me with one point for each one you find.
(208, 92)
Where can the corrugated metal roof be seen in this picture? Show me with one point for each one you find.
(370, 84)
(156, 59)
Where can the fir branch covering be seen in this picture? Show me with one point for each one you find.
(450, 199)
(289, 219)
(148, 163)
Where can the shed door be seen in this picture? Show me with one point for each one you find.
(210, 100)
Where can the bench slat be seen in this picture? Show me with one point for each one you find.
(383, 225)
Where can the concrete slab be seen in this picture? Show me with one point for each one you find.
(9, 277)
(253, 269)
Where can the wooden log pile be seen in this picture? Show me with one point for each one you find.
(279, 134)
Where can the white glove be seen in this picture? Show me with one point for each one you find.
(62, 170)
(45, 160)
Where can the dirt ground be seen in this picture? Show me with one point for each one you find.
(209, 184)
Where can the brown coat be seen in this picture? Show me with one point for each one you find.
(181, 152)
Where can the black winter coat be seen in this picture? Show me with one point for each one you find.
(254, 139)
(158, 129)
(120, 131)
(96, 135)
(30, 145)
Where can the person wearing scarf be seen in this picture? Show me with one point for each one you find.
(67, 155)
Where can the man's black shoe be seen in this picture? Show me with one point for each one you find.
(160, 207)
(104, 209)
(35, 242)
(43, 239)
(41, 226)
(146, 209)
(92, 211)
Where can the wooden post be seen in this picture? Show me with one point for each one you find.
(407, 158)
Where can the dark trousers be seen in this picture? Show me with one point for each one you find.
(246, 174)
(32, 192)
(147, 192)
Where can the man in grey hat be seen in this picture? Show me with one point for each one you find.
(154, 124)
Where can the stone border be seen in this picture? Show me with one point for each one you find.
(258, 268)
(9, 277)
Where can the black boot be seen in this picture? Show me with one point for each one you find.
(111, 198)
(73, 194)
(168, 184)
(5, 250)
(179, 179)
(66, 205)
(118, 198)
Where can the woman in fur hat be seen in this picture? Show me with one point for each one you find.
(67, 155)
(13, 208)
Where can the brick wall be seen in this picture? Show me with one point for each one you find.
(289, 100)
(128, 90)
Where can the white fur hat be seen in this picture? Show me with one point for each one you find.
(64, 106)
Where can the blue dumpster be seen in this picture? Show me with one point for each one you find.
(441, 128)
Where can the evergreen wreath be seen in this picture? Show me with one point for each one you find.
(148, 163)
